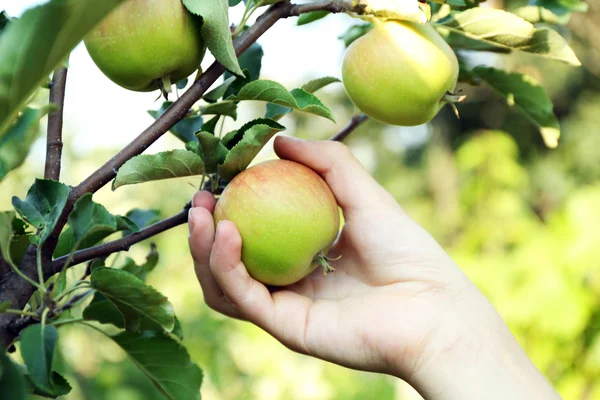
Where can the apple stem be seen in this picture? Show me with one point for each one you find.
(166, 87)
(323, 262)
(452, 98)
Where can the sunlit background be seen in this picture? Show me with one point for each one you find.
(521, 220)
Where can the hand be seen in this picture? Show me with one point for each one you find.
(396, 303)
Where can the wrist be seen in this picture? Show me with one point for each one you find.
(474, 356)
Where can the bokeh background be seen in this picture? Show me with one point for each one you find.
(521, 220)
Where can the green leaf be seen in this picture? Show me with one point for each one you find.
(165, 362)
(14, 146)
(522, 92)
(273, 92)
(233, 3)
(536, 14)
(134, 299)
(141, 271)
(251, 64)
(562, 7)
(319, 83)
(215, 31)
(37, 350)
(6, 233)
(143, 218)
(89, 224)
(43, 206)
(312, 16)
(89, 218)
(61, 386)
(242, 154)
(218, 92)
(184, 130)
(226, 108)
(5, 305)
(32, 46)
(498, 28)
(153, 167)
(275, 111)
(12, 384)
(211, 124)
(213, 151)
(354, 32)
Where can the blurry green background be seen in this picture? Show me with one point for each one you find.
(521, 220)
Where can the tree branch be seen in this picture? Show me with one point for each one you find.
(54, 144)
(122, 244)
(17, 290)
(355, 122)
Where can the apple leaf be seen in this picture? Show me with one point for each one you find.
(165, 361)
(226, 108)
(312, 16)
(32, 46)
(37, 350)
(273, 92)
(14, 146)
(184, 130)
(498, 28)
(276, 112)
(242, 154)
(134, 299)
(251, 64)
(522, 92)
(43, 206)
(6, 233)
(214, 95)
(153, 167)
(142, 271)
(142, 218)
(213, 151)
(12, 384)
(536, 15)
(215, 31)
(354, 32)
(89, 224)
(61, 386)
(564, 8)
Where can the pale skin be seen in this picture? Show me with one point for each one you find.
(396, 304)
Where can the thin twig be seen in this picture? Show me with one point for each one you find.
(352, 125)
(54, 144)
(122, 244)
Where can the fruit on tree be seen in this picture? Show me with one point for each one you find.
(145, 45)
(287, 216)
(400, 72)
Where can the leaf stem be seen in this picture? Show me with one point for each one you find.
(23, 313)
(77, 286)
(66, 321)
(40, 270)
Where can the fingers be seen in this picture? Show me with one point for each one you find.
(283, 314)
(202, 235)
(351, 184)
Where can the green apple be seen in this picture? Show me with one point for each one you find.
(287, 216)
(145, 45)
(400, 72)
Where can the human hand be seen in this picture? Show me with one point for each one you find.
(396, 303)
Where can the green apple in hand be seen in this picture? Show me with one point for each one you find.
(144, 45)
(287, 216)
(400, 72)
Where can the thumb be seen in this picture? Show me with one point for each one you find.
(353, 187)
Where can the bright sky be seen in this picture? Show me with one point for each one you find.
(98, 111)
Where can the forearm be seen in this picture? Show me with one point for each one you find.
(485, 363)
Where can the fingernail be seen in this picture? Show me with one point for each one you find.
(191, 221)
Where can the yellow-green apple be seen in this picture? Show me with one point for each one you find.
(287, 216)
(400, 72)
(145, 45)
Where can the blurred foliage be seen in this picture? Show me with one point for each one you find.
(521, 220)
